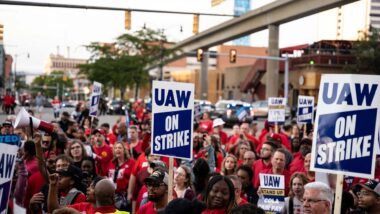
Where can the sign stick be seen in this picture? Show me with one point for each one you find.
(304, 130)
(338, 193)
(170, 186)
(276, 128)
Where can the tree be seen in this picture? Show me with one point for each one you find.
(124, 63)
(47, 84)
(367, 53)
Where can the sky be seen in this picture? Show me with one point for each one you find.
(39, 31)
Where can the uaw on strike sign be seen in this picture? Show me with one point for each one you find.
(9, 145)
(172, 119)
(347, 124)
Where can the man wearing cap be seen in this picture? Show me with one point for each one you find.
(7, 128)
(218, 129)
(69, 180)
(157, 184)
(102, 152)
(369, 197)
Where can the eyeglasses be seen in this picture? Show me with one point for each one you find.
(248, 158)
(312, 201)
(265, 149)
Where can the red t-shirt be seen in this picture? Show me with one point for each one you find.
(257, 167)
(111, 138)
(223, 137)
(139, 164)
(219, 211)
(103, 158)
(122, 179)
(243, 201)
(35, 183)
(148, 208)
(298, 163)
(205, 126)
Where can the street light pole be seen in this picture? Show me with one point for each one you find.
(15, 68)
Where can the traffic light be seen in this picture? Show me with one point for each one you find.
(127, 21)
(199, 54)
(233, 53)
(196, 24)
(1, 32)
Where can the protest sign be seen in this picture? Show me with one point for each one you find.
(276, 110)
(172, 124)
(95, 98)
(273, 191)
(346, 125)
(305, 109)
(9, 144)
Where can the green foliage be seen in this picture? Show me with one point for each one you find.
(367, 53)
(47, 84)
(124, 63)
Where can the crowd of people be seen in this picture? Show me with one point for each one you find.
(83, 167)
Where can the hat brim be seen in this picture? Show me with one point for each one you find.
(152, 179)
(367, 188)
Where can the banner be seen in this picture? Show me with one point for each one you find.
(273, 191)
(276, 109)
(172, 124)
(346, 125)
(95, 98)
(9, 145)
(305, 109)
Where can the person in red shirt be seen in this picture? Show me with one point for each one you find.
(157, 184)
(217, 124)
(244, 134)
(69, 181)
(8, 102)
(102, 153)
(119, 170)
(264, 162)
(220, 195)
(237, 184)
(110, 137)
(297, 165)
(278, 167)
(206, 124)
(135, 144)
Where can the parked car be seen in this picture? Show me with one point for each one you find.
(236, 113)
(222, 105)
(116, 107)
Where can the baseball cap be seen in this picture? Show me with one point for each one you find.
(217, 122)
(157, 163)
(159, 176)
(7, 123)
(71, 171)
(372, 185)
